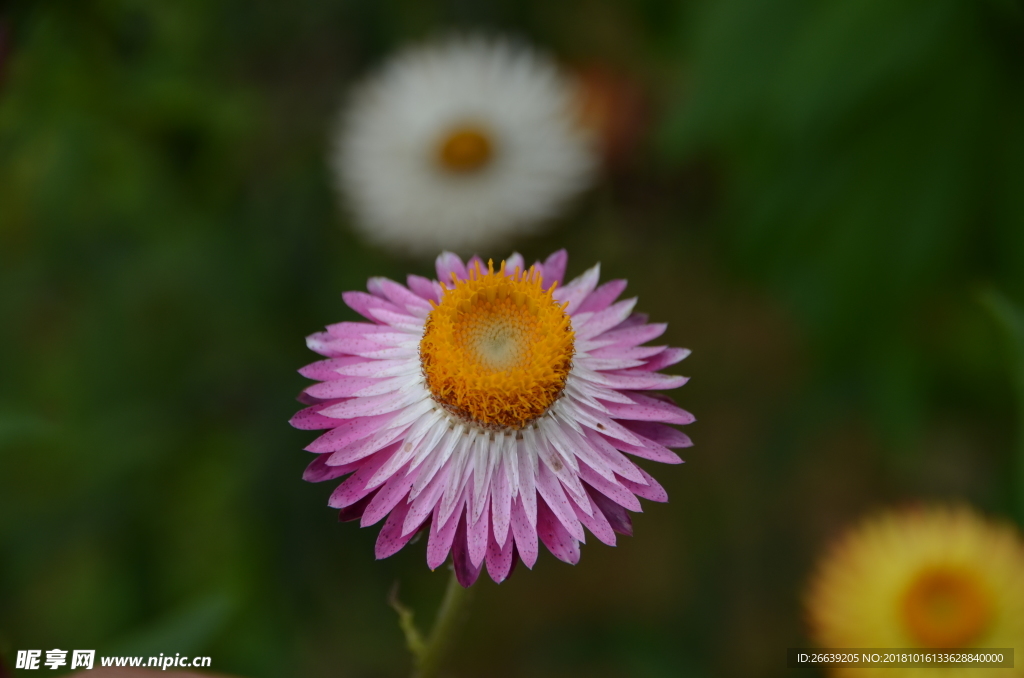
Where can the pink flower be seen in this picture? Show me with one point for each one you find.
(492, 410)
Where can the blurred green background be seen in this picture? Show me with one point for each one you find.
(825, 200)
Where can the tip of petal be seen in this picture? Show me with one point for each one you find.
(447, 265)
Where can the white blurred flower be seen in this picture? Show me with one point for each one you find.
(460, 144)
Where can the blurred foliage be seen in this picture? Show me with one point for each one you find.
(873, 155)
(829, 186)
(160, 253)
(1010, 318)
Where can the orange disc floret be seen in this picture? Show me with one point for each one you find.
(946, 606)
(496, 352)
(466, 149)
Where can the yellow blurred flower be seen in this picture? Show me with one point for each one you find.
(922, 578)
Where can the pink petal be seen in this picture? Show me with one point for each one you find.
(465, 571)
(425, 288)
(447, 264)
(307, 399)
(363, 303)
(425, 502)
(514, 262)
(614, 491)
(456, 492)
(354, 511)
(347, 431)
(659, 433)
(633, 352)
(402, 297)
(390, 540)
(554, 268)
(322, 370)
(378, 369)
(437, 462)
(367, 446)
(347, 346)
(584, 451)
(633, 335)
(501, 505)
(477, 536)
(605, 320)
(340, 387)
(603, 297)
(354, 330)
(370, 406)
(648, 409)
(354, 488)
(322, 343)
(475, 263)
(670, 356)
(554, 497)
(440, 541)
(634, 320)
(653, 451)
(527, 483)
(499, 558)
(604, 423)
(600, 364)
(564, 441)
(616, 515)
(578, 289)
(641, 380)
(479, 498)
(597, 523)
(379, 335)
(614, 460)
(652, 490)
(374, 288)
(389, 352)
(525, 534)
(310, 419)
(398, 319)
(396, 489)
(318, 470)
(555, 536)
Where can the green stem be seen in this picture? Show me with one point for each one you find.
(449, 617)
(429, 654)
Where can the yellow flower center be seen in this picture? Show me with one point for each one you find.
(497, 350)
(465, 149)
(946, 606)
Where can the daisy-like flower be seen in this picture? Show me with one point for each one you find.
(459, 144)
(925, 578)
(492, 410)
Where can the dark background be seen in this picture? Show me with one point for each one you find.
(825, 200)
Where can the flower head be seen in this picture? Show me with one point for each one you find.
(927, 578)
(459, 144)
(492, 410)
